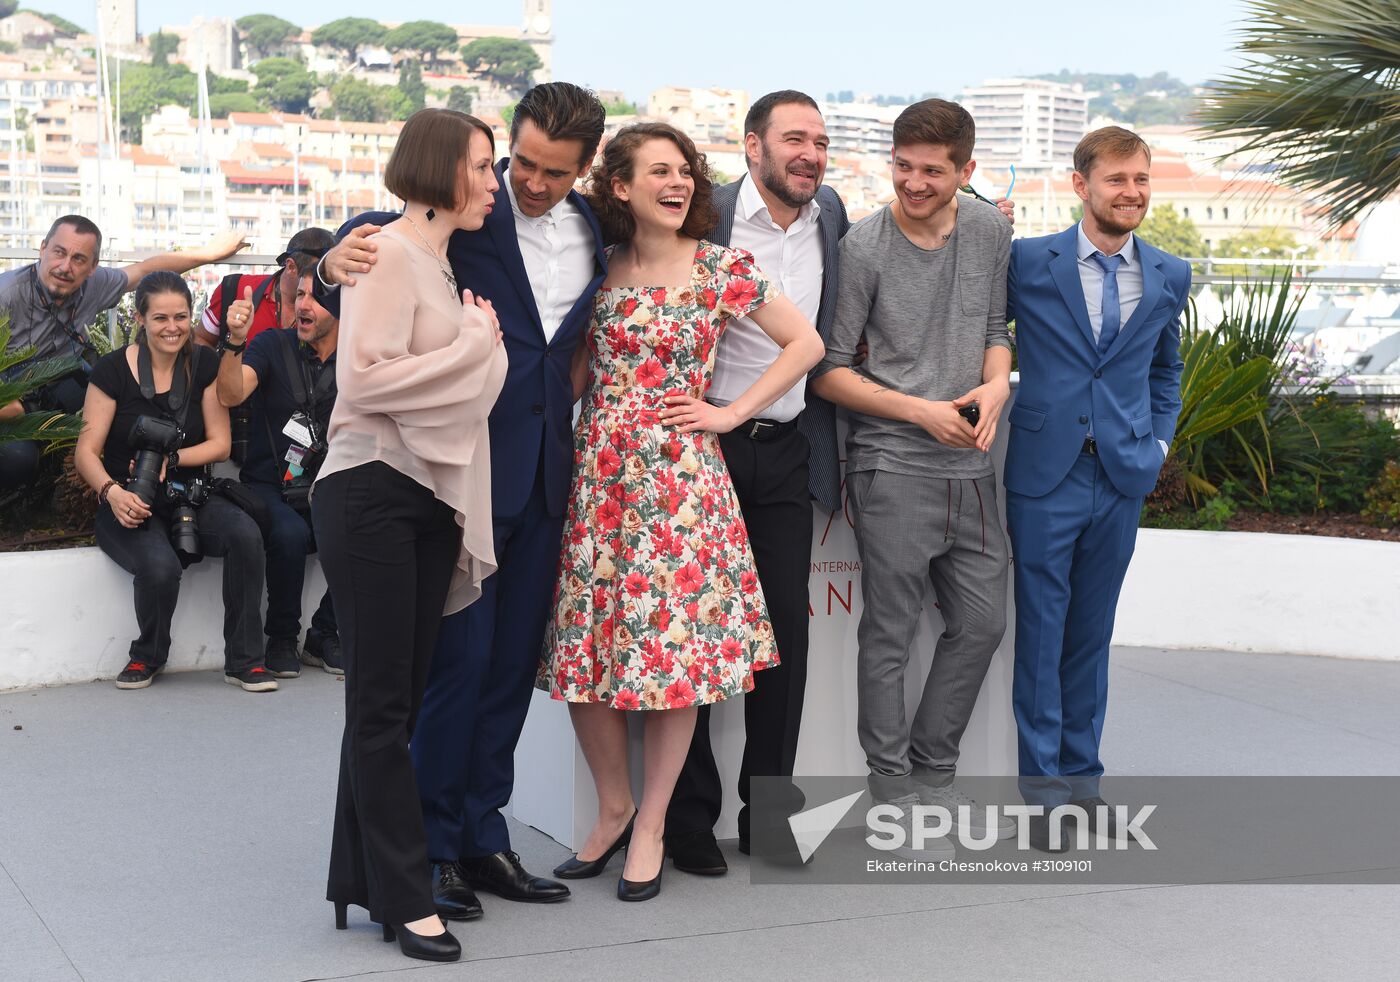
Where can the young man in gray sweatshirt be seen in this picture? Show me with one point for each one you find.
(924, 280)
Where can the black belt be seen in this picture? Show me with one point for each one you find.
(1090, 447)
(763, 430)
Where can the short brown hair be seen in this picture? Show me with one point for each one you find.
(426, 165)
(562, 111)
(1110, 141)
(940, 123)
(617, 161)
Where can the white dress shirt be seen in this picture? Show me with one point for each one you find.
(793, 259)
(558, 250)
(1129, 288)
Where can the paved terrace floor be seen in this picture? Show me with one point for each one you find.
(180, 834)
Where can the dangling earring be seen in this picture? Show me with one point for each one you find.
(431, 214)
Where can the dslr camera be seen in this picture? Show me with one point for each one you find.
(154, 440)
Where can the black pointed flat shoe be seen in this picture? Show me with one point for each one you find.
(582, 869)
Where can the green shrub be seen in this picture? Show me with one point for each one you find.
(1383, 498)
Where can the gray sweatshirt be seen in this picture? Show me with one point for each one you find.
(928, 316)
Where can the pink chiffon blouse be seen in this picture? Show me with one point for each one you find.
(416, 376)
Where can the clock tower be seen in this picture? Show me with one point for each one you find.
(538, 32)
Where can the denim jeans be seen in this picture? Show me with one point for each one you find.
(145, 552)
(289, 542)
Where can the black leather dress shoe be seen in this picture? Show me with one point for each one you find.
(429, 947)
(696, 852)
(452, 895)
(1040, 834)
(1108, 828)
(501, 874)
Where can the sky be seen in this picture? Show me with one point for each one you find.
(818, 46)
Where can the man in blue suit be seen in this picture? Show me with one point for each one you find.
(539, 259)
(1098, 325)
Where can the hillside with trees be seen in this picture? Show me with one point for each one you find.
(1134, 99)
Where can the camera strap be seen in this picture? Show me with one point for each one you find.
(307, 397)
(65, 316)
(176, 399)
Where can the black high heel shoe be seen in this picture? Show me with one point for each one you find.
(639, 890)
(581, 869)
(429, 947)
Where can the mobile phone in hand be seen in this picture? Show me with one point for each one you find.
(970, 413)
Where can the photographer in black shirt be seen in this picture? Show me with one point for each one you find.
(153, 425)
(289, 373)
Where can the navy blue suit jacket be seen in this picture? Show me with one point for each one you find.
(1132, 392)
(535, 407)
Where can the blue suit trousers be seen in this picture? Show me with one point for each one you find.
(1071, 551)
(480, 685)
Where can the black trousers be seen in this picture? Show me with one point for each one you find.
(289, 541)
(770, 480)
(146, 553)
(388, 547)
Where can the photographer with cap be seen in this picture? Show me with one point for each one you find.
(51, 304)
(287, 378)
(273, 300)
(152, 426)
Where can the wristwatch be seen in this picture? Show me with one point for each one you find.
(226, 345)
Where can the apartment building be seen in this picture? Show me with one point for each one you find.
(1030, 124)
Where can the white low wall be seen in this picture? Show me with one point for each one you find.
(1251, 591)
(67, 616)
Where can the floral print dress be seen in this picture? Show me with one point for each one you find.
(657, 604)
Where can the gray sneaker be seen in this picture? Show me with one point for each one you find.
(930, 850)
(955, 800)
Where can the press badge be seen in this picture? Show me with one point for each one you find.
(298, 429)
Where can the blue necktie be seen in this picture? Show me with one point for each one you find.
(1111, 314)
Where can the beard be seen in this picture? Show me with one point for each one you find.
(1113, 223)
(775, 181)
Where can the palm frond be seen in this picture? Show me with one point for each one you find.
(1318, 97)
(55, 430)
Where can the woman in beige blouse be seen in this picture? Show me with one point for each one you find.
(402, 508)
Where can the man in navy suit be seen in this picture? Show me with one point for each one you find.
(1098, 329)
(539, 259)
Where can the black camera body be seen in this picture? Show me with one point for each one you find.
(186, 496)
(154, 439)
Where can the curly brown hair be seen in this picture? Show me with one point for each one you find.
(617, 161)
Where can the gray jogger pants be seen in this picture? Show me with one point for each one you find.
(912, 532)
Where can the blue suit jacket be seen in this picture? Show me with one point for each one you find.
(535, 406)
(1132, 392)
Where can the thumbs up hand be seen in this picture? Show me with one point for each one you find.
(240, 317)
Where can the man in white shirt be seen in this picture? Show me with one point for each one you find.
(781, 212)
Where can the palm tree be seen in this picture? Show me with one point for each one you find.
(1319, 96)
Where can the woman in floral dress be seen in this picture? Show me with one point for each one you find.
(657, 605)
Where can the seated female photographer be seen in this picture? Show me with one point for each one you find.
(152, 425)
